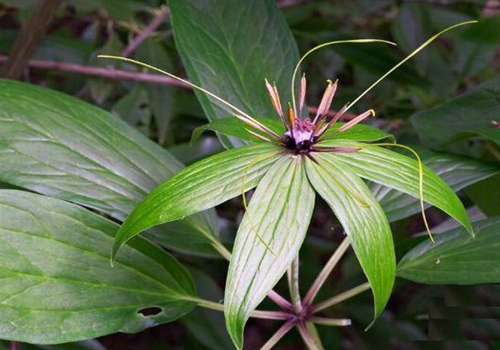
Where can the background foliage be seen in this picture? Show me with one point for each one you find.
(445, 102)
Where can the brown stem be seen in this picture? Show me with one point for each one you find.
(28, 39)
(109, 73)
(146, 33)
(13, 345)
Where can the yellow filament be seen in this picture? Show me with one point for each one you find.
(316, 48)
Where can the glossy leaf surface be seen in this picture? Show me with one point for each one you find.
(57, 283)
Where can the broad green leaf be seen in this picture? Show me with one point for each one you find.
(62, 147)
(225, 52)
(57, 283)
(400, 172)
(236, 128)
(278, 216)
(198, 187)
(457, 171)
(456, 258)
(363, 220)
(466, 116)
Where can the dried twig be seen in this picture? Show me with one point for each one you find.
(28, 39)
(146, 33)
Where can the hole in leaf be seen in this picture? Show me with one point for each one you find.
(150, 311)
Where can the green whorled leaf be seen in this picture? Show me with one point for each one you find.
(400, 172)
(213, 39)
(279, 215)
(62, 147)
(363, 220)
(456, 258)
(57, 283)
(198, 187)
(236, 128)
(457, 171)
(468, 115)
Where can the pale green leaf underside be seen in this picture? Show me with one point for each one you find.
(279, 212)
(362, 219)
(400, 172)
(456, 258)
(62, 147)
(198, 187)
(57, 283)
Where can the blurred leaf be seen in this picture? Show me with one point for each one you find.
(363, 220)
(486, 195)
(116, 9)
(224, 51)
(198, 187)
(162, 99)
(57, 145)
(133, 108)
(468, 115)
(401, 173)
(190, 152)
(279, 215)
(476, 45)
(208, 326)
(59, 287)
(457, 171)
(411, 28)
(456, 257)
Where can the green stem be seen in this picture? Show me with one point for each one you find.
(293, 284)
(340, 298)
(264, 314)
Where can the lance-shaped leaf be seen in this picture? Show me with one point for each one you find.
(278, 216)
(213, 39)
(457, 171)
(400, 172)
(57, 283)
(60, 146)
(363, 220)
(200, 186)
(456, 258)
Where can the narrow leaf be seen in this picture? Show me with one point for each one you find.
(236, 128)
(400, 172)
(57, 284)
(62, 147)
(362, 219)
(456, 258)
(198, 187)
(279, 215)
(457, 171)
